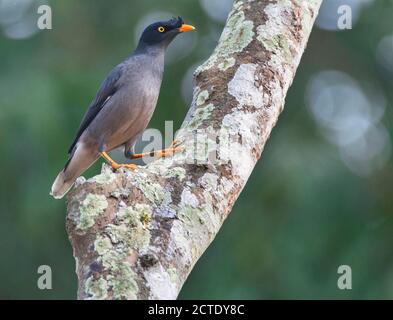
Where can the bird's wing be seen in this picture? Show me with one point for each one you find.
(108, 88)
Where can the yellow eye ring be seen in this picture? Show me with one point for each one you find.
(161, 29)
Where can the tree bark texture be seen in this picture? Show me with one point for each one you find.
(137, 234)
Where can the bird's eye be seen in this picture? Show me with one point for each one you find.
(161, 29)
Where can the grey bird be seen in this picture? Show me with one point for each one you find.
(122, 107)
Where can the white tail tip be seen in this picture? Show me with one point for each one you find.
(60, 187)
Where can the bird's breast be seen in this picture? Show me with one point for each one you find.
(137, 107)
(129, 111)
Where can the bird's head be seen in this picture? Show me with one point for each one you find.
(162, 33)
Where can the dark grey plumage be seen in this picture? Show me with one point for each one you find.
(123, 106)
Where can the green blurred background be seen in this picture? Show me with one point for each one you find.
(320, 197)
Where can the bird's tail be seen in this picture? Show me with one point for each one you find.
(60, 187)
(79, 162)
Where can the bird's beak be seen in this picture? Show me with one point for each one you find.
(186, 28)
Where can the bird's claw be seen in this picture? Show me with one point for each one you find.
(130, 166)
(176, 143)
(170, 151)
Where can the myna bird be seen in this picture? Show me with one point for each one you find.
(122, 107)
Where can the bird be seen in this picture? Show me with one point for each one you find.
(122, 106)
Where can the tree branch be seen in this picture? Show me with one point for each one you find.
(137, 234)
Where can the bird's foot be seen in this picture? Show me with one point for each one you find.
(168, 151)
(116, 165)
(174, 147)
(130, 166)
(175, 143)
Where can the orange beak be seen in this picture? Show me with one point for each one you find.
(186, 28)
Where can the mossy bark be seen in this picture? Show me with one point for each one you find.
(137, 234)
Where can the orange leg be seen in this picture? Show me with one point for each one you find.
(116, 165)
(159, 153)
